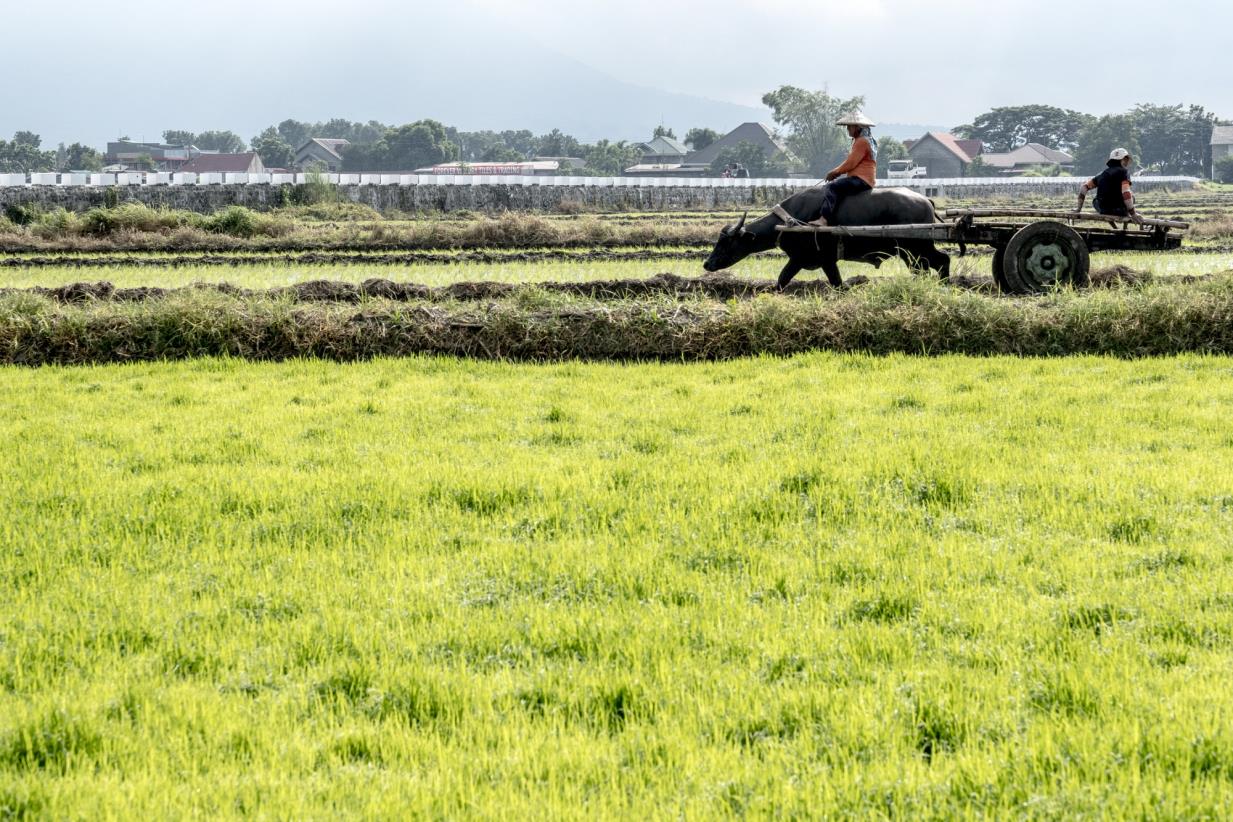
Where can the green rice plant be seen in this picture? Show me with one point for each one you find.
(763, 587)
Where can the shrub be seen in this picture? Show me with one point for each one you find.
(20, 214)
(103, 222)
(58, 223)
(338, 212)
(236, 221)
(316, 190)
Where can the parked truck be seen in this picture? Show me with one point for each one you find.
(904, 170)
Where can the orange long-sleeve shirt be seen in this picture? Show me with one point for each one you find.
(860, 162)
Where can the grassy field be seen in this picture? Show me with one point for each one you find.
(764, 266)
(824, 585)
(131, 226)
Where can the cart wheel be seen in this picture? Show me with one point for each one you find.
(1044, 255)
(999, 275)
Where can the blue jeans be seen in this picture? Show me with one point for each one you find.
(836, 191)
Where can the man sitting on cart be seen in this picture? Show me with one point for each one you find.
(1113, 195)
(855, 174)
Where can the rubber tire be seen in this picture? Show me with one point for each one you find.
(1020, 280)
(999, 276)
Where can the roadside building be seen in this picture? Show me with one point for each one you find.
(563, 163)
(942, 154)
(321, 153)
(666, 170)
(1222, 145)
(662, 151)
(1032, 156)
(529, 168)
(130, 154)
(247, 163)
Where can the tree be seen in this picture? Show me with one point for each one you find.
(419, 144)
(275, 152)
(293, 133)
(178, 137)
(81, 158)
(1224, 169)
(810, 117)
(1174, 139)
(23, 155)
(423, 143)
(753, 157)
(700, 138)
(1009, 127)
(890, 149)
(1101, 137)
(226, 142)
(661, 131)
(609, 159)
(557, 144)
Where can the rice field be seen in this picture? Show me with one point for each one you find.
(825, 586)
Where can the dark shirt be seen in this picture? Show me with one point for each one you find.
(1109, 190)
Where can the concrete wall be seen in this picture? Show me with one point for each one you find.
(493, 198)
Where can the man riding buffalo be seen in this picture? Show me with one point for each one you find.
(858, 173)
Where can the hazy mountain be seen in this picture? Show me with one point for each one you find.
(488, 85)
(396, 67)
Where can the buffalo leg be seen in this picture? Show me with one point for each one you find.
(789, 271)
(830, 267)
(939, 261)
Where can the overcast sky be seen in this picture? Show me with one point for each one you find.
(86, 70)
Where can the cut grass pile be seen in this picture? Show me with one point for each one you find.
(825, 585)
(343, 322)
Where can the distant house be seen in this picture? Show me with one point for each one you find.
(321, 153)
(125, 154)
(661, 160)
(1026, 158)
(1222, 144)
(246, 163)
(942, 154)
(662, 151)
(757, 133)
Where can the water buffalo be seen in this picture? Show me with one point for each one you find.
(882, 206)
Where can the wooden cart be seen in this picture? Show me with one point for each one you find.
(1033, 251)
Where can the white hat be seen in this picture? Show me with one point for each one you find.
(855, 118)
(1119, 154)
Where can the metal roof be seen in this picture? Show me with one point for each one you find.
(1030, 154)
(947, 141)
(665, 146)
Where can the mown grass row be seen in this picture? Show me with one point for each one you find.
(892, 315)
(136, 227)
